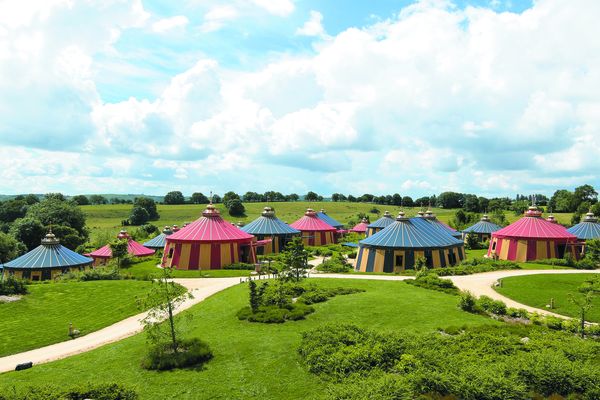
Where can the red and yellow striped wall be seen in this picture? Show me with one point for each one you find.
(198, 255)
(372, 259)
(522, 250)
(41, 274)
(318, 238)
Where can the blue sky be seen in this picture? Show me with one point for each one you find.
(489, 97)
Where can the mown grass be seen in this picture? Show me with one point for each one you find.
(537, 290)
(252, 360)
(42, 317)
(102, 218)
(148, 267)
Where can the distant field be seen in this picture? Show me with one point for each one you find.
(108, 217)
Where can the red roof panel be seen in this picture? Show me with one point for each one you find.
(311, 223)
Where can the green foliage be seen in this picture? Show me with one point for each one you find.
(592, 251)
(477, 265)
(105, 391)
(190, 353)
(241, 266)
(10, 286)
(138, 216)
(81, 200)
(28, 231)
(175, 197)
(119, 249)
(467, 302)
(487, 363)
(97, 199)
(235, 208)
(434, 282)
(199, 198)
(149, 205)
(420, 263)
(93, 274)
(10, 210)
(272, 314)
(68, 236)
(54, 212)
(10, 248)
(294, 261)
(492, 306)
(336, 264)
(472, 242)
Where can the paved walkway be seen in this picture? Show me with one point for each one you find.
(201, 288)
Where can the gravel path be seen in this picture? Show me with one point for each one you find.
(201, 288)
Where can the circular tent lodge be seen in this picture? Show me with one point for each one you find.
(397, 247)
(208, 243)
(381, 223)
(274, 232)
(322, 215)
(104, 253)
(587, 229)
(430, 217)
(482, 229)
(531, 238)
(361, 227)
(46, 261)
(315, 232)
(158, 242)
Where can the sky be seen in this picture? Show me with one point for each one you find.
(492, 97)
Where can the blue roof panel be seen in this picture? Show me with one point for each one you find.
(412, 233)
(586, 230)
(327, 219)
(269, 225)
(483, 227)
(49, 256)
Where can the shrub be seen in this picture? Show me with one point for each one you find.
(517, 313)
(337, 264)
(477, 265)
(191, 353)
(467, 302)
(276, 315)
(585, 263)
(11, 286)
(492, 306)
(94, 274)
(554, 261)
(434, 282)
(105, 391)
(241, 266)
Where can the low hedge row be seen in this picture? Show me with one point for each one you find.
(107, 391)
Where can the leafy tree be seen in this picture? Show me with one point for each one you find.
(471, 203)
(498, 218)
(10, 248)
(175, 197)
(396, 199)
(293, 197)
(450, 200)
(28, 231)
(483, 204)
(422, 201)
(163, 299)
(520, 206)
(311, 196)
(471, 242)
(272, 196)
(68, 236)
(12, 209)
(52, 212)
(294, 260)
(139, 216)
(563, 201)
(216, 199)
(498, 204)
(585, 193)
(337, 197)
(81, 200)
(584, 303)
(596, 209)
(31, 199)
(55, 196)
(365, 198)
(252, 197)
(352, 199)
(407, 201)
(118, 247)
(149, 205)
(592, 251)
(199, 198)
(235, 208)
(230, 196)
(98, 199)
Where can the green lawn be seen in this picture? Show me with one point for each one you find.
(146, 268)
(252, 360)
(107, 218)
(537, 290)
(42, 317)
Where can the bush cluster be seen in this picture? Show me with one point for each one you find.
(93, 274)
(241, 266)
(191, 353)
(432, 281)
(274, 314)
(482, 363)
(336, 264)
(11, 286)
(108, 391)
(569, 261)
(477, 265)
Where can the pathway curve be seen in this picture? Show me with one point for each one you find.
(201, 288)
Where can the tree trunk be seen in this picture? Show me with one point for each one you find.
(171, 320)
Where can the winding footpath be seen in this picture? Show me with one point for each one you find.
(202, 288)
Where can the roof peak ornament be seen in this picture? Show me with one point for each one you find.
(268, 212)
(402, 216)
(210, 212)
(533, 211)
(485, 218)
(50, 239)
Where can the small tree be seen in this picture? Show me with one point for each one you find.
(163, 299)
(175, 197)
(139, 216)
(256, 295)
(119, 250)
(294, 260)
(235, 208)
(471, 242)
(584, 303)
(592, 251)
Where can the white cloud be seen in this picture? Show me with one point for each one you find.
(313, 26)
(281, 8)
(168, 24)
(216, 17)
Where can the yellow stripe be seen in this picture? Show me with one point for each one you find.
(204, 256)
(541, 249)
(504, 251)
(522, 251)
(225, 254)
(379, 260)
(236, 252)
(184, 257)
(363, 261)
(436, 259)
(552, 250)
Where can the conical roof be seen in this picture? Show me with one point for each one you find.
(361, 227)
(483, 226)
(311, 223)
(430, 217)
(158, 242)
(322, 215)
(411, 233)
(533, 226)
(382, 222)
(269, 224)
(588, 228)
(134, 248)
(211, 227)
(50, 254)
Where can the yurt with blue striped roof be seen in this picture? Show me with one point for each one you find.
(587, 229)
(430, 217)
(483, 229)
(322, 215)
(397, 247)
(46, 261)
(268, 226)
(158, 242)
(381, 223)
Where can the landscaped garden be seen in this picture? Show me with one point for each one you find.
(42, 316)
(540, 290)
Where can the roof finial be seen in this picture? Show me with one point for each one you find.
(210, 198)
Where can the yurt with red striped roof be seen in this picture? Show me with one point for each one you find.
(210, 242)
(531, 238)
(361, 227)
(104, 253)
(315, 232)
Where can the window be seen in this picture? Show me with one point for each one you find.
(399, 261)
